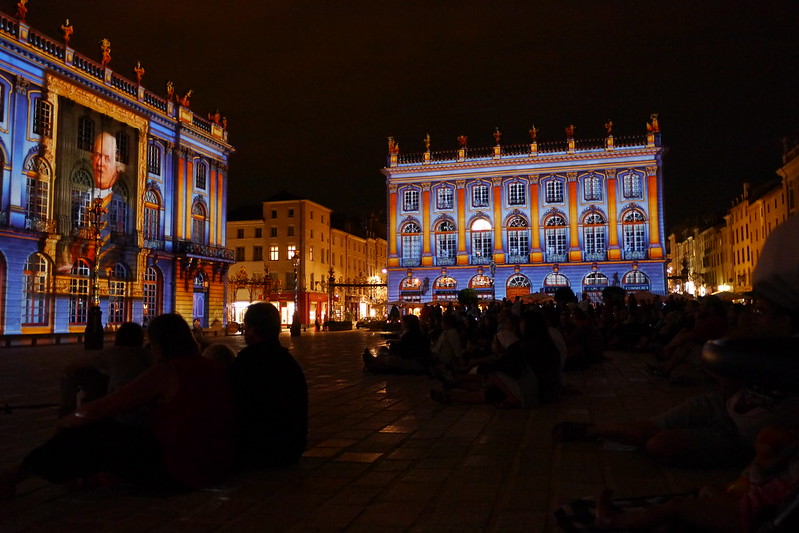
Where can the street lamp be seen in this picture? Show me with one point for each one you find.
(94, 335)
(492, 266)
(295, 321)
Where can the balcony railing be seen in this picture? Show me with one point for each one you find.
(410, 261)
(517, 258)
(204, 250)
(154, 244)
(634, 254)
(553, 257)
(480, 259)
(40, 224)
(445, 260)
(595, 256)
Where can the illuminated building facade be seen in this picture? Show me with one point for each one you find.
(265, 240)
(106, 187)
(512, 220)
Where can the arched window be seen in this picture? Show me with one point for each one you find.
(594, 237)
(592, 188)
(482, 243)
(79, 292)
(198, 218)
(116, 294)
(445, 288)
(36, 293)
(554, 191)
(151, 292)
(517, 285)
(634, 233)
(152, 215)
(37, 190)
(445, 243)
(411, 244)
(81, 197)
(635, 280)
(518, 241)
(631, 185)
(555, 280)
(555, 238)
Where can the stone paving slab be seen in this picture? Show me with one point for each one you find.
(382, 456)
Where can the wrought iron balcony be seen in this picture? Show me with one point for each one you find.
(552, 257)
(635, 254)
(517, 258)
(410, 261)
(442, 260)
(595, 256)
(479, 259)
(154, 244)
(40, 224)
(204, 250)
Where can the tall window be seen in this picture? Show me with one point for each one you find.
(150, 293)
(290, 251)
(198, 217)
(154, 159)
(37, 197)
(118, 214)
(116, 295)
(445, 243)
(554, 191)
(152, 215)
(410, 200)
(257, 253)
(123, 148)
(79, 292)
(274, 252)
(631, 185)
(592, 188)
(634, 232)
(445, 198)
(85, 134)
(200, 175)
(594, 236)
(516, 194)
(240, 253)
(2, 102)
(42, 118)
(482, 244)
(411, 243)
(555, 238)
(480, 195)
(81, 198)
(36, 297)
(518, 240)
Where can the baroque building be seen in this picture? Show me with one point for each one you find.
(111, 194)
(510, 220)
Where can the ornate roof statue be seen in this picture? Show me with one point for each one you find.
(609, 126)
(393, 146)
(533, 133)
(497, 135)
(652, 126)
(139, 70)
(570, 131)
(170, 91)
(67, 28)
(427, 142)
(105, 47)
(22, 10)
(463, 140)
(186, 100)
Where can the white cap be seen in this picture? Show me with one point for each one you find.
(776, 276)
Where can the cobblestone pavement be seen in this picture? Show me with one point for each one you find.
(381, 457)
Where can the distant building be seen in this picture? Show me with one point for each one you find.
(108, 190)
(265, 241)
(512, 220)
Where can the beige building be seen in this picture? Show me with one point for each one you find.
(288, 231)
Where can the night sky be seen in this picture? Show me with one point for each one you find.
(311, 90)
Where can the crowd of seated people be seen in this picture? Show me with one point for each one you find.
(199, 417)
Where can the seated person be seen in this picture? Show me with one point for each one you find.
(720, 429)
(410, 354)
(584, 344)
(186, 441)
(96, 375)
(271, 395)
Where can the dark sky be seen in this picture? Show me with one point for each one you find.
(311, 90)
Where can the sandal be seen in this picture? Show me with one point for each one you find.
(570, 431)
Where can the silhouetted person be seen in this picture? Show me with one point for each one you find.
(271, 395)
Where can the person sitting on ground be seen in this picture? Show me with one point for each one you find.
(186, 441)
(94, 376)
(583, 342)
(410, 354)
(271, 395)
(720, 428)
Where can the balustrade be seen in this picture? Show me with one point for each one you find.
(552, 257)
(410, 261)
(480, 259)
(595, 256)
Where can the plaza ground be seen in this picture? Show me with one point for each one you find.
(381, 455)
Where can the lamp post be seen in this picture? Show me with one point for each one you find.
(94, 335)
(492, 267)
(295, 320)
